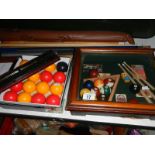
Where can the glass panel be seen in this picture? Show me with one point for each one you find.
(108, 63)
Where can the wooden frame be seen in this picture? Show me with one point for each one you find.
(44, 38)
(76, 104)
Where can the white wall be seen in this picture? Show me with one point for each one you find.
(145, 42)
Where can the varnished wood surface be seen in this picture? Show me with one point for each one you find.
(28, 44)
(117, 50)
(99, 106)
(63, 36)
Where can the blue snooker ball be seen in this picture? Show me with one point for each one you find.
(88, 84)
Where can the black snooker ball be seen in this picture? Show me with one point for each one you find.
(62, 66)
(88, 84)
(103, 97)
(134, 88)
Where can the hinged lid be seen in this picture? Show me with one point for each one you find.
(31, 67)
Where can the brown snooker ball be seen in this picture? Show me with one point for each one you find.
(97, 91)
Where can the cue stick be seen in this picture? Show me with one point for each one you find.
(153, 96)
(133, 75)
(114, 88)
(133, 81)
(145, 81)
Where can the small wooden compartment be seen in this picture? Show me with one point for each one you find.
(109, 58)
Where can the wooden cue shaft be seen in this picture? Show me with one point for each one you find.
(145, 81)
(132, 80)
(133, 75)
(145, 96)
(153, 96)
(114, 89)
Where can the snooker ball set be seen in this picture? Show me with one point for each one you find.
(97, 87)
(42, 88)
(101, 87)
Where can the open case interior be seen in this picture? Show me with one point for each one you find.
(107, 61)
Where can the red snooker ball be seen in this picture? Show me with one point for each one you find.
(10, 96)
(59, 77)
(134, 101)
(109, 82)
(53, 100)
(17, 87)
(93, 73)
(46, 76)
(38, 98)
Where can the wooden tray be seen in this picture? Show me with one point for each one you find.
(110, 57)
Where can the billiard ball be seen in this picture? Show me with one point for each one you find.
(29, 86)
(38, 98)
(17, 87)
(97, 91)
(93, 73)
(34, 78)
(134, 101)
(53, 100)
(107, 90)
(42, 87)
(10, 96)
(83, 91)
(88, 84)
(46, 76)
(125, 77)
(24, 97)
(59, 77)
(51, 68)
(56, 88)
(134, 88)
(98, 83)
(62, 66)
(109, 82)
(103, 97)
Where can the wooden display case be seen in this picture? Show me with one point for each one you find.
(109, 58)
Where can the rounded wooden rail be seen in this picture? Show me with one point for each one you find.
(63, 36)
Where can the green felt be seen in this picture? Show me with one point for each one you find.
(110, 65)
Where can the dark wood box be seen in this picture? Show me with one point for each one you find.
(110, 57)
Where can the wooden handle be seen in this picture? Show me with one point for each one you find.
(132, 80)
(139, 77)
(145, 96)
(152, 95)
(63, 36)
